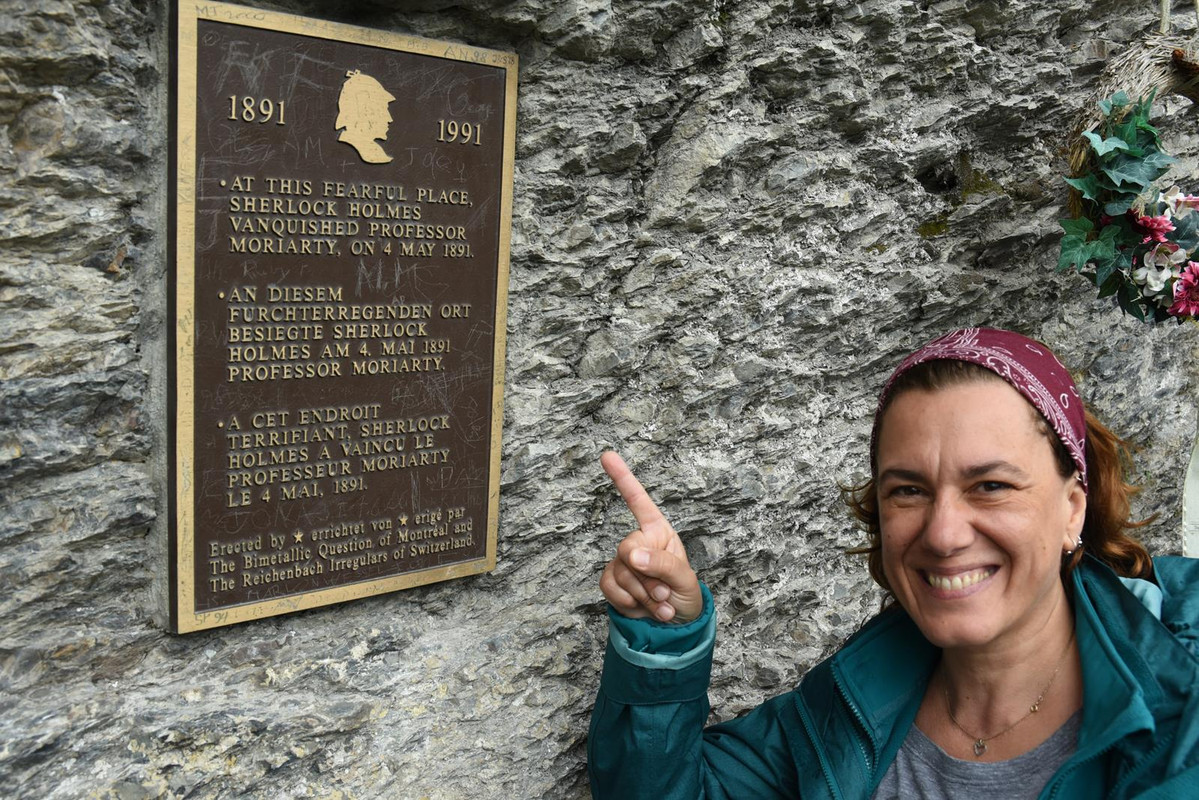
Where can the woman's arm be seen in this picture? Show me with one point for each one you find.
(647, 737)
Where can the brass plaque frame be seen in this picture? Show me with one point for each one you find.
(196, 335)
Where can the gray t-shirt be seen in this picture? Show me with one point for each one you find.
(923, 770)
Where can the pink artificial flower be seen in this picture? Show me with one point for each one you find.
(1154, 228)
(1186, 292)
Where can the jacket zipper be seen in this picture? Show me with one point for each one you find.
(868, 758)
(819, 750)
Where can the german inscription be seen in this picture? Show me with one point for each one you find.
(342, 208)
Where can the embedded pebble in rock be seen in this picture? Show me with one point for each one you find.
(731, 220)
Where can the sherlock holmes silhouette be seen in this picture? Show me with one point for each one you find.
(363, 116)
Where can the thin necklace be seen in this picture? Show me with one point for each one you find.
(980, 742)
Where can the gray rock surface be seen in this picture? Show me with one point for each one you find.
(731, 220)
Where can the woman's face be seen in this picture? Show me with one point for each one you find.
(974, 514)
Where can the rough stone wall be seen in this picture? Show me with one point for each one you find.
(732, 219)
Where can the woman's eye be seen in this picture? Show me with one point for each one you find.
(993, 486)
(905, 491)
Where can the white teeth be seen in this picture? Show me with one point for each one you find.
(960, 581)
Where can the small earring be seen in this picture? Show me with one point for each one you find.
(1074, 549)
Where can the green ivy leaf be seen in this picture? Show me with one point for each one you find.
(1159, 161)
(1121, 204)
(1131, 302)
(1127, 132)
(1074, 253)
(1078, 258)
(1078, 227)
(1127, 239)
(1144, 106)
(1110, 261)
(1104, 272)
(1118, 100)
(1126, 170)
(1147, 138)
(1109, 286)
(1077, 252)
(1123, 242)
(1186, 231)
(1124, 256)
(1111, 235)
(1103, 146)
(1091, 186)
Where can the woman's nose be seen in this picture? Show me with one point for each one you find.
(948, 527)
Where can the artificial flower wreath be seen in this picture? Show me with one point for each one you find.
(1132, 241)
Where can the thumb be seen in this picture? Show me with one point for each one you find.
(662, 569)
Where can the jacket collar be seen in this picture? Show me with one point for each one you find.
(883, 667)
(883, 672)
(1134, 668)
(1112, 695)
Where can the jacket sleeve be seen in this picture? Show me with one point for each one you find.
(647, 735)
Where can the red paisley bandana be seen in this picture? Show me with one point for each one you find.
(1026, 364)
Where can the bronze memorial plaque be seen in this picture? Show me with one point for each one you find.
(340, 222)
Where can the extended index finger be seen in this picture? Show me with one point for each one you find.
(634, 494)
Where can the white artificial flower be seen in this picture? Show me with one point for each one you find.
(1160, 265)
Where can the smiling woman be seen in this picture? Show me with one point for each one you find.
(974, 517)
(1010, 663)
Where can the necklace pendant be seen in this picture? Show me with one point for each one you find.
(980, 747)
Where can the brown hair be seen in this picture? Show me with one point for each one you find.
(1108, 458)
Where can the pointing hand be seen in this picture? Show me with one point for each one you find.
(650, 576)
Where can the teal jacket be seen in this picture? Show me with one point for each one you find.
(837, 733)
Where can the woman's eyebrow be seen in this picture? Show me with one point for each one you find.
(974, 471)
(899, 474)
(999, 465)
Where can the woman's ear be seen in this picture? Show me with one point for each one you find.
(1076, 498)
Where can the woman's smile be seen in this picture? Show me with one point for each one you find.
(958, 584)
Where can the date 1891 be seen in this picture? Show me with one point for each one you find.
(260, 110)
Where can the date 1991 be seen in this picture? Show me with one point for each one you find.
(449, 130)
